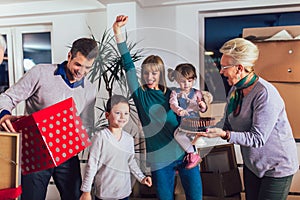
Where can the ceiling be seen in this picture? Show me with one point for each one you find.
(142, 3)
(156, 3)
(5, 2)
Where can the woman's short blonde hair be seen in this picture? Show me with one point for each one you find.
(242, 51)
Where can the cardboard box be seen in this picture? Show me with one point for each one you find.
(221, 184)
(278, 59)
(51, 136)
(10, 160)
(219, 172)
(10, 169)
(266, 32)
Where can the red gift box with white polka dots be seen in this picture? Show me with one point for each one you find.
(51, 136)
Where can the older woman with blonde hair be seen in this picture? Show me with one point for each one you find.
(256, 120)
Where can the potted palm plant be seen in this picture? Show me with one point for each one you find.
(109, 73)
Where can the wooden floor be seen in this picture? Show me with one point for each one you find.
(53, 195)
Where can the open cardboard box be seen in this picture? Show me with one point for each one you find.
(266, 32)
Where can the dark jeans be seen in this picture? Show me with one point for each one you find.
(164, 181)
(126, 198)
(266, 188)
(66, 176)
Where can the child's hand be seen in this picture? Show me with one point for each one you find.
(86, 196)
(202, 105)
(183, 113)
(121, 20)
(147, 181)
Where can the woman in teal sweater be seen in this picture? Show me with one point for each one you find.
(164, 155)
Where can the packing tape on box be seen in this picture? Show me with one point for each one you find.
(7, 159)
(10, 193)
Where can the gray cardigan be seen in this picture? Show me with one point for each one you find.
(40, 88)
(264, 133)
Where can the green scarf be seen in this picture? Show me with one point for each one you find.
(236, 96)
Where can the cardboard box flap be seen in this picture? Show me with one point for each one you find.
(267, 32)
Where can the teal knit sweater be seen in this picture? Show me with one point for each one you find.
(158, 120)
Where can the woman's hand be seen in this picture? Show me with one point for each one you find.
(213, 133)
(121, 20)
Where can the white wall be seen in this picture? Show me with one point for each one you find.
(155, 31)
(65, 28)
(38, 8)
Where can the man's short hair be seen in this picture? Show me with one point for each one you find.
(86, 46)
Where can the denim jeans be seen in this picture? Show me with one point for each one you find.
(266, 188)
(164, 181)
(66, 176)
